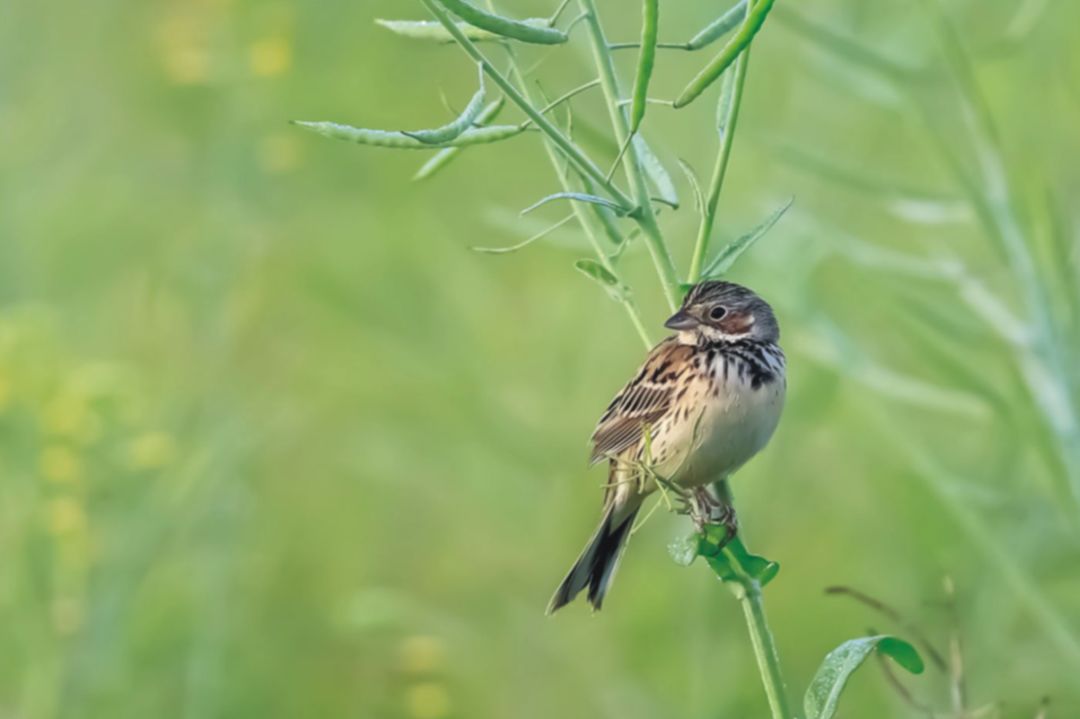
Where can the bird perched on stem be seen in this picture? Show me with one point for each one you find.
(705, 401)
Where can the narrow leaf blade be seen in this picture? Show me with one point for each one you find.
(602, 276)
(577, 197)
(656, 173)
(730, 253)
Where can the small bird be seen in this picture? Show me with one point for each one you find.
(705, 401)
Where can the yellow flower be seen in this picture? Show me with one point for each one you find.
(151, 450)
(184, 52)
(59, 464)
(65, 516)
(427, 701)
(270, 56)
(69, 416)
(421, 654)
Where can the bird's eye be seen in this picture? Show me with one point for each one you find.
(717, 312)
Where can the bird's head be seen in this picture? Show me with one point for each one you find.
(717, 311)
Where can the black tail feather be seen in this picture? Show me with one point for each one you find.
(596, 565)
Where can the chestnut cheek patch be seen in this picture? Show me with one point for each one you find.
(737, 323)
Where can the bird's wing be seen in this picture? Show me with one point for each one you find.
(643, 401)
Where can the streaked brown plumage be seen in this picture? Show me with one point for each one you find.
(704, 402)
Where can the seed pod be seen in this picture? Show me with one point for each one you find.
(650, 20)
(401, 141)
(461, 123)
(433, 31)
(513, 29)
(718, 27)
(735, 45)
(444, 157)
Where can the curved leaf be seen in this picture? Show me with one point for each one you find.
(656, 173)
(578, 197)
(731, 252)
(832, 676)
(603, 276)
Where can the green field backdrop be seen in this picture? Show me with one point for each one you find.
(275, 443)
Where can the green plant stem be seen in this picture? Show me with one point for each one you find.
(565, 145)
(716, 183)
(581, 213)
(768, 660)
(747, 589)
(635, 175)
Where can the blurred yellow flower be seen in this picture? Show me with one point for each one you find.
(151, 450)
(187, 65)
(60, 464)
(421, 654)
(184, 52)
(279, 153)
(270, 56)
(69, 416)
(65, 516)
(427, 701)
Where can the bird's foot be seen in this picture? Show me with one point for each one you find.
(707, 510)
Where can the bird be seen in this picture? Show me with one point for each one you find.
(705, 401)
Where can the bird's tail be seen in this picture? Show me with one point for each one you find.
(596, 565)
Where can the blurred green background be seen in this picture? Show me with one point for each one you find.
(274, 442)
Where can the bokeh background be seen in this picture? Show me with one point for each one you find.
(275, 443)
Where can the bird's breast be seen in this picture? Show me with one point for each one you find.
(735, 415)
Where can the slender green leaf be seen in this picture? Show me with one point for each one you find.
(656, 173)
(525, 243)
(823, 695)
(604, 277)
(576, 197)
(695, 184)
(729, 254)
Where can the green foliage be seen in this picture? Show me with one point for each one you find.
(727, 256)
(757, 11)
(823, 696)
(411, 140)
(506, 27)
(727, 556)
(360, 445)
(454, 129)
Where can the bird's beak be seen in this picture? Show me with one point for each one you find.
(681, 320)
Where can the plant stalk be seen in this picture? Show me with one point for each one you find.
(768, 659)
(565, 145)
(581, 213)
(635, 175)
(716, 183)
